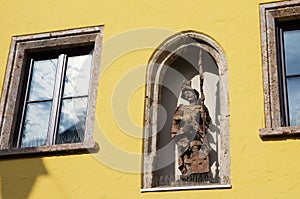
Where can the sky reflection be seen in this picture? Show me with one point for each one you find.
(72, 116)
(294, 100)
(42, 80)
(36, 124)
(292, 51)
(78, 75)
(72, 120)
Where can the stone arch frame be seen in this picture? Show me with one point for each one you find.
(164, 56)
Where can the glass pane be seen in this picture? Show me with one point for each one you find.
(42, 79)
(292, 51)
(72, 121)
(294, 100)
(36, 124)
(78, 75)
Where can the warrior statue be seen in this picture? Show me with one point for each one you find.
(189, 129)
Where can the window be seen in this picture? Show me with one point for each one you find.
(280, 32)
(186, 134)
(49, 94)
(288, 35)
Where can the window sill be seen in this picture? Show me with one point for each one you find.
(61, 149)
(161, 189)
(280, 132)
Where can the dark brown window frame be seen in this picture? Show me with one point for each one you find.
(271, 14)
(14, 80)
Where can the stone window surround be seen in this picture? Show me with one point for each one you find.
(10, 98)
(162, 56)
(269, 14)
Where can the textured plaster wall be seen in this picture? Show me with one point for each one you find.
(260, 169)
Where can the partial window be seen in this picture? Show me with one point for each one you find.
(280, 28)
(50, 91)
(288, 35)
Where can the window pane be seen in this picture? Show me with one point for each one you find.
(72, 121)
(36, 124)
(294, 100)
(42, 79)
(292, 51)
(78, 75)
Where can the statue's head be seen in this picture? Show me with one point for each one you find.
(187, 91)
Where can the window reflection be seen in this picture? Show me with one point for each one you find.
(292, 67)
(70, 100)
(78, 75)
(292, 51)
(36, 124)
(42, 79)
(72, 121)
(294, 100)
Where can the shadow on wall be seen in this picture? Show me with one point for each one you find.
(18, 177)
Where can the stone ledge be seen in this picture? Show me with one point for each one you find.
(61, 149)
(280, 132)
(185, 188)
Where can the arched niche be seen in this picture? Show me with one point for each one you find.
(178, 58)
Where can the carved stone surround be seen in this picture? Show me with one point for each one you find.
(269, 14)
(155, 72)
(11, 91)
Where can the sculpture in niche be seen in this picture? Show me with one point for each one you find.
(175, 61)
(189, 129)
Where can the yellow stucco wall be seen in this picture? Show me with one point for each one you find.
(133, 29)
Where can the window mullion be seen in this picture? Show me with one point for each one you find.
(57, 96)
(293, 75)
